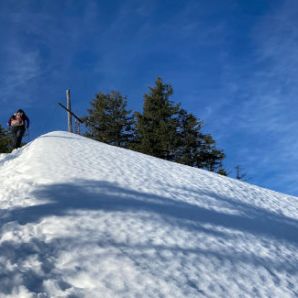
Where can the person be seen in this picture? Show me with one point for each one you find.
(18, 124)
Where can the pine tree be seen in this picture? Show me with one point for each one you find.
(156, 127)
(109, 121)
(167, 131)
(195, 148)
(209, 157)
(5, 141)
(188, 132)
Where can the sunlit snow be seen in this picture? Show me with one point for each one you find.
(80, 218)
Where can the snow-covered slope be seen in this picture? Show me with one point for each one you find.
(84, 219)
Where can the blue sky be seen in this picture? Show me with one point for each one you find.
(234, 64)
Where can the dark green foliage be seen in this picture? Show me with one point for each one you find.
(5, 141)
(209, 157)
(222, 171)
(163, 130)
(195, 148)
(109, 121)
(167, 131)
(156, 127)
(187, 134)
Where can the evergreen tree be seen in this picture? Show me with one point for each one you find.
(109, 121)
(208, 156)
(188, 132)
(5, 141)
(195, 148)
(167, 131)
(156, 127)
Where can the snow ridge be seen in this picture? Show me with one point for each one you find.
(80, 218)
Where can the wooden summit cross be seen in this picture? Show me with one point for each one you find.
(78, 120)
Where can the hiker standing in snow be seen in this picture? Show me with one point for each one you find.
(18, 124)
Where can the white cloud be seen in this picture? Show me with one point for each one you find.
(39, 42)
(259, 101)
(19, 68)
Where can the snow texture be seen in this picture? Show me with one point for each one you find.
(80, 218)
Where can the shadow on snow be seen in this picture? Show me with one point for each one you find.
(59, 199)
(62, 199)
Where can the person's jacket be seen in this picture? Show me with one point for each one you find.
(25, 121)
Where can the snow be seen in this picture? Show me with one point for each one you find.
(80, 218)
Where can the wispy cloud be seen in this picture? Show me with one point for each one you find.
(261, 100)
(40, 46)
(18, 68)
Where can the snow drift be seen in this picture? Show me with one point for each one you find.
(84, 219)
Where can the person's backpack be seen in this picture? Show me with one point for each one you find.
(17, 120)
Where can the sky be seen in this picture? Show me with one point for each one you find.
(109, 222)
(231, 63)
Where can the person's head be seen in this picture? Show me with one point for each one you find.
(20, 112)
